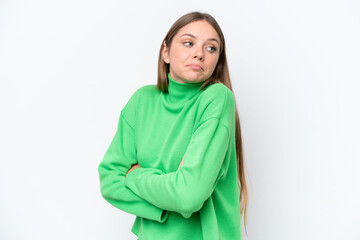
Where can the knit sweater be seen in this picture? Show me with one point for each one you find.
(157, 130)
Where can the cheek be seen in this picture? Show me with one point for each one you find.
(177, 56)
(213, 63)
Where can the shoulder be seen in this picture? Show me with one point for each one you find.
(144, 92)
(147, 89)
(217, 101)
(217, 88)
(218, 94)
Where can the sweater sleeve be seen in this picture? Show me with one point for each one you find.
(186, 190)
(118, 159)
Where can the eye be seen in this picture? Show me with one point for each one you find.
(189, 44)
(211, 49)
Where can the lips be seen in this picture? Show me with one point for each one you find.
(195, 66)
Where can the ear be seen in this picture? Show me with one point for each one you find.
(165, 53)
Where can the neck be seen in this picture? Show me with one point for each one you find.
(182, 92)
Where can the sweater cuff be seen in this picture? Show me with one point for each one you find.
(132, 179)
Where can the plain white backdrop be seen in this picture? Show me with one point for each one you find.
(68, 67)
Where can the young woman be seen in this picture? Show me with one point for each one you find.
(176, 160)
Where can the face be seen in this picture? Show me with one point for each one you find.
(194, 52)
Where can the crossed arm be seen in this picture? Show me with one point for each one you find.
(137, 166)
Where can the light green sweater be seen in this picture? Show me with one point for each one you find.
(200, 200)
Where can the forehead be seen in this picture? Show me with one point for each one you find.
(200, 29)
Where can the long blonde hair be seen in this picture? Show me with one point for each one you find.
(220, 74)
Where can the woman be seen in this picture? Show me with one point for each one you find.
(176, 158)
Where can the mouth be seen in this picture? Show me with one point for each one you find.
(195, 67)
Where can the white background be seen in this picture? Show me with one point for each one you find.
(68, 67)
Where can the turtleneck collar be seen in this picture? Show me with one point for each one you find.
(182, 92)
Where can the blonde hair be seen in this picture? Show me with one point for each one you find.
(220, 74)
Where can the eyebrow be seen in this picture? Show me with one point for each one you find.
(190, 35)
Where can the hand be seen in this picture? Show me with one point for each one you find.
(181, 162)
(132, 168)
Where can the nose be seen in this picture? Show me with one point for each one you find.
(199, 53)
